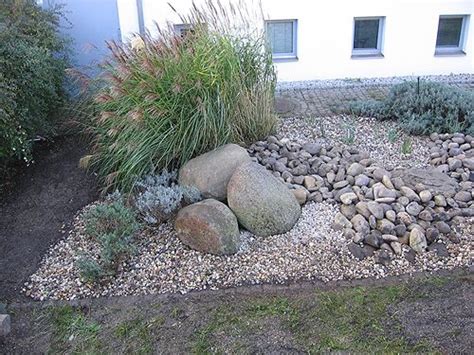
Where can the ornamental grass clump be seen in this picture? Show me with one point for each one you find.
(172, 97)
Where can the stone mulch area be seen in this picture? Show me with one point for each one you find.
(317, 247)
(384, 141)
(312, 250)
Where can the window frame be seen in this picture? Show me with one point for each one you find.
(460, 48)
(284, 56)
(369, 52)
(180, 27)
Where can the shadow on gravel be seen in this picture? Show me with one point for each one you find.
(37, 209)
(400, 315)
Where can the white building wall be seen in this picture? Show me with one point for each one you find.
(128, 18)
(325, 33)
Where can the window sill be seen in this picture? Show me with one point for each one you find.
(367, 56)
(285, 58)
(449, 53)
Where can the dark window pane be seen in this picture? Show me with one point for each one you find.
(366, 33)
(449, 32)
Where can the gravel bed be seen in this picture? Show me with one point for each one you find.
(312, 250)
(369, 134)
(367, 82)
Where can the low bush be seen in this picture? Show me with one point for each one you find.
(423, 108)
(33, 57)
(112, 225)
(173, 97)
(160, 196)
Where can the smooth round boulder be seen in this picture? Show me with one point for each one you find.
(210, 172)
(208, 226)
(262, 203)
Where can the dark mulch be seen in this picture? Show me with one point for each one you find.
(38, 207)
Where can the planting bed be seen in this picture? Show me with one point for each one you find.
(315, 248)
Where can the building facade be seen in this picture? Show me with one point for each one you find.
(336, 39)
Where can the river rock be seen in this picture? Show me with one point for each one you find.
(463, 196)
(414, 208)
(301, 195)
(425, 196)
(360, 224)
(341, 222)
(376, 209)
(418, 240)
(348, 198)
(355, 169)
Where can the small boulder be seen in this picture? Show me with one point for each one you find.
(312, 148)
(375, 209)
(341, 222)
(348, 198)
(5, 325)
(397, 247)
(440, 201)
(362, 180)
(208, 226)
(361, 252)
(360, 224)
(210, 172)
(463, 196)
(261, 202)
(432, 179)
(385, 226)
(355, 169)
(418, 240)
(301, 195)
(414, 208)
(425, 196)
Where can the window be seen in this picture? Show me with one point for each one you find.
(451, 34)
(368, 35)
(183, 29)
(281, 35)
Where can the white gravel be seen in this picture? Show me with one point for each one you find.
(312, 250)
(369, 134)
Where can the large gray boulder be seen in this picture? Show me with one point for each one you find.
(261, 202)
(434, 180)
(210, 172)
(208, 226)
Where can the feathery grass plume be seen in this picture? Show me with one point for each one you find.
(173, 97)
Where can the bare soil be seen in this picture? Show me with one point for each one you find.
(397, 315)
(38, 207)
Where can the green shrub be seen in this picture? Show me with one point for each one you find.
(33, 58)
(159, 197)
(113, 225)
(172, 98)
(425, 108)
